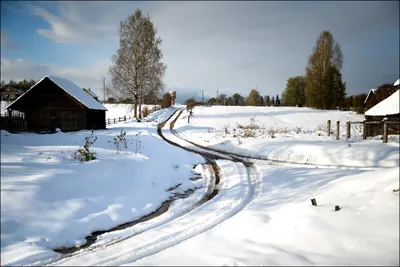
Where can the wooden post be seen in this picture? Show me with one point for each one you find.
(314, 202)
(364, 129)
(108, 120)
(124, 117)
(348, 129)
(337, 129)
(329, 127)
(385, 130)
(114, 120)
(337, 208)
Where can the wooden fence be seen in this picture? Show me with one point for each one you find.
(124, 118)
(119, 119)
(13, 123)
(386, 124)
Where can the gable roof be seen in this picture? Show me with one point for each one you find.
(388, 106)
(72, 89)
(372, 91)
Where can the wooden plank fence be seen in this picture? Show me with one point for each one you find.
(13, 123)
(386, 124)
(125, 118)
(119, 119)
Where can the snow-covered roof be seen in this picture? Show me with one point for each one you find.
(72, 89)
(388, 106)
(397, 82)
(369, 94)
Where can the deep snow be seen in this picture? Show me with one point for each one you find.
(49, 200)
(261, 216)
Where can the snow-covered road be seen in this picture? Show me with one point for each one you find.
(235, 191)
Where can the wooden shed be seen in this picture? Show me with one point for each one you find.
(54, 102)
(388, 108)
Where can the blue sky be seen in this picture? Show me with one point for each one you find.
(233, 46)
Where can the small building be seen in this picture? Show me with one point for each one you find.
(55, 102)
(388, 108)
(9, 92)
(371, 99)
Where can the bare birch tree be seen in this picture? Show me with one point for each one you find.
(136, 69)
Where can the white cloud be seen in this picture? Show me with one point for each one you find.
(235, 46)
(88, 76)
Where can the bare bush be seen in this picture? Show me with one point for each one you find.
(145, 111)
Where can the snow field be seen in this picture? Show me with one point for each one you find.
(281, 227)
(304, 148)
(49, 200)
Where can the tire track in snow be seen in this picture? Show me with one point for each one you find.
(237, 192)
(258, 159)
(212, 179)
(238, 195)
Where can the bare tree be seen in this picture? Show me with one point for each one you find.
(137, 69)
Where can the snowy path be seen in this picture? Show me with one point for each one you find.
(235, 192)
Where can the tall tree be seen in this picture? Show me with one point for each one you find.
(320, 74)
(262, 101)
(273, 101)
(295, 91)
(136, 68)
(254, 98)
(267, 100)
(277, 101)
(222, 99)
(238, 99)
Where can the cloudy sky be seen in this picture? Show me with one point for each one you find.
(230, 45)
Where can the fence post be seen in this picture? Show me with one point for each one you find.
(108, 120)
(337, 129)
(329, 127)
(124, 117)
(385, 130)
(114, 120)
(348, 129)
(364, 129)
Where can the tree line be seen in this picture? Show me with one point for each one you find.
(23, 85)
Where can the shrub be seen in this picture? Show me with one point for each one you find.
(84, 153)
(145, 111)
(138, 143)
(120, 141)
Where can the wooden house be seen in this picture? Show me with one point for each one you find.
(9, 92)
(54, 102)
(388, 108)
(371, 99)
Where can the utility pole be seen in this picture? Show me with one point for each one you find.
(202, 96)
(217, 94)
(104, 88)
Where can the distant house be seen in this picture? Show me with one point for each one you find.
(387, 108)
(9, 92)
(371, 99)
(58, 103)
